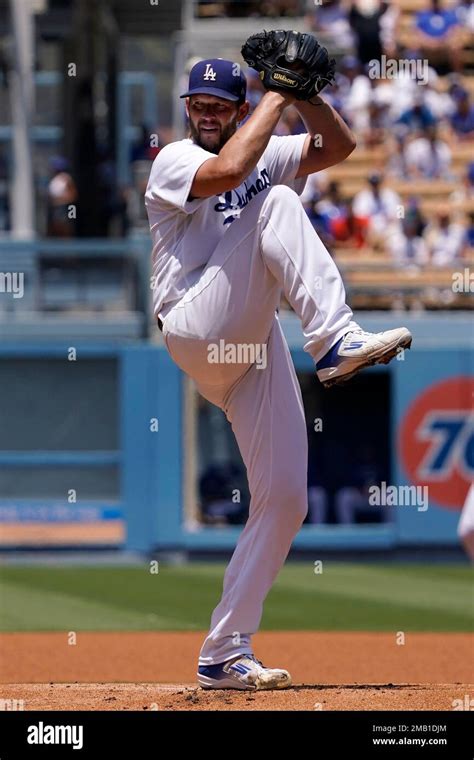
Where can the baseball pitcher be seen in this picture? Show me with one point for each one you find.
(230, 235)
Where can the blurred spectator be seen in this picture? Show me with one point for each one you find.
(417, 117)
(347, 229)
(456, 84)
(352, 502)
(414, 214)
(464, 11)
(444, 239)
(332, 202)
(469, 237)
(465, 15)
(469, 180)
(378, 124)
(368, 98)
(436, 99)
(381, 206)
(365, 20)
(407, 86)
(61, 200)
(388, 29)
(336, 95)
(462, 120)
(358, 99)
(436, 36)
(217, 487)
(329, 207)
(314, 189)
(330, 17)
(407, 247)
(396, 166)
(464, 193)
(317, 505)
(428, 156)
(318, 214)
(350, 68)
(352, 506)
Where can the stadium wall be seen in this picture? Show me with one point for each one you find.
(120, 407)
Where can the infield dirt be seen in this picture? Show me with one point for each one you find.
(156, 671)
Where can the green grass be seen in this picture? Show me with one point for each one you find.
(345, 596)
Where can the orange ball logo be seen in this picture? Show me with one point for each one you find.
(436, 441)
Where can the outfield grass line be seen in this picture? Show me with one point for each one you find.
(399, 597)
(442, 595)
(136, 592)
(463, 574)
(329, 612)
(464, 571)
(51, 610)
(344, 596)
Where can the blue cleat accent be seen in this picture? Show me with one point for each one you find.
(331, 358)
(244, 672)
(359, 349)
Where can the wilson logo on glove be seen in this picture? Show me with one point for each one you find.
(290, 62)
(283, 78)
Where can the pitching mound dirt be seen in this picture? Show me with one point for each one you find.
(156, 671)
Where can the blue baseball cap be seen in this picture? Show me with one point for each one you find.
(218, 77)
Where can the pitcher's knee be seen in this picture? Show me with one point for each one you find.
(302, 506)
(282, 194)
(291, 496)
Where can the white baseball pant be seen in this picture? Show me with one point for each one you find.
(272, 247)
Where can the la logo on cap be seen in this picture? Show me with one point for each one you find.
(209, 74)
(218, 77)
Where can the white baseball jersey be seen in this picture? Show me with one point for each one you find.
(184, 232)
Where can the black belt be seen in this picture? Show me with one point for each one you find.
(160, 323)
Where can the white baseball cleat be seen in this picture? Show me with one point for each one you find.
(244, 672)
(359, 349)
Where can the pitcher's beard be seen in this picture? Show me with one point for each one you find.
(217, 143)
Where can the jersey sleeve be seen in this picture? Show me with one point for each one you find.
(172, 175)
(282, 158)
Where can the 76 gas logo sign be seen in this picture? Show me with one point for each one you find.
(451, 438)
(436, 441)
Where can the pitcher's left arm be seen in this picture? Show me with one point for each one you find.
(329, 140)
